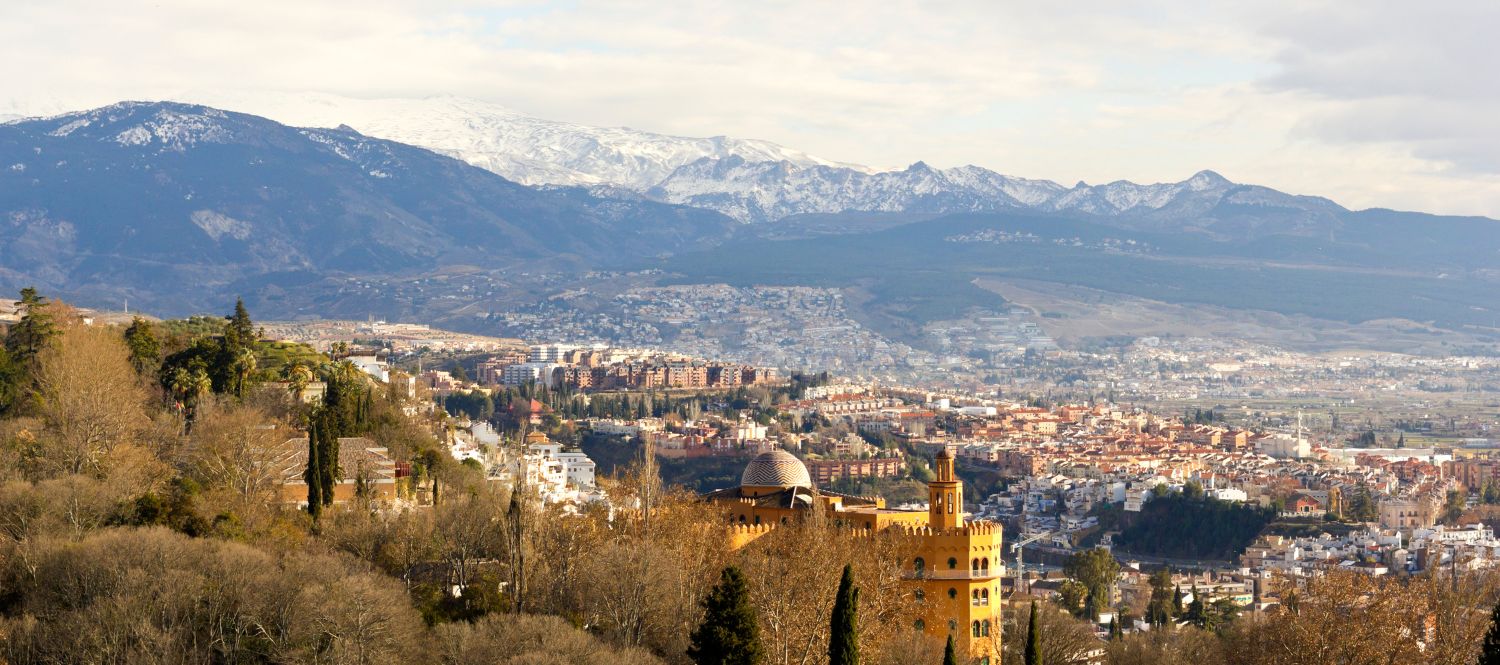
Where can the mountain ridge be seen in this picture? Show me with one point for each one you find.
(187, 194)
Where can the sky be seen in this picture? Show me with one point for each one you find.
(1372, 103)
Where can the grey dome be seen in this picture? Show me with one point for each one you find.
(777, 468)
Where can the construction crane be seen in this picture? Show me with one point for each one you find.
(1019, 547)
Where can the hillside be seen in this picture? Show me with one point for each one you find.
(138, 199)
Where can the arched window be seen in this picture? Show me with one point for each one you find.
(920, 595)
(757, 519)
(975, 629)
(950, 503)
(974, 597)
(952, 625)
(952, 563)
(984, 564)
(742, 519)
(984, 661)
(952, 593)
(974, 565)
(919, 624)
(984, 628)
(919, 566)
(984, 597)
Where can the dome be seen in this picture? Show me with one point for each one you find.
(777, 468)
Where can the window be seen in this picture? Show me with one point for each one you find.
(984, 628)
(952, 593)
(757, 519)
(984, 597)
(920, 595)
(950, 503)
(919, 624)
(984, 564)
(742, 519)
(952, 624)
(952, 563)
(919, 566)
(984, 661)
(974, 630)
(974, 598)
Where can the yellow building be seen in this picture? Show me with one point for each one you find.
(955, 572)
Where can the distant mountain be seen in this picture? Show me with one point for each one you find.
(759, 181)
(769, 191)
(759, 192)
(141, 198)
(522, 148)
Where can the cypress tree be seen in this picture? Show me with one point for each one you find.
(1033, 639)
(1489, 651)
(728, 634)
(843, 642)
(949, 658)
(328, 461)
(313, 475)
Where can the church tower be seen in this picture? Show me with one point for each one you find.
(956, 574)
(945, 495)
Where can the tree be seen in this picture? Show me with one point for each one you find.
(1489, 652)
(1033, 639)
(1096, 569)
(24, 342)
(89, 398)
(728, 634)
(145, 350)
(843, 638)
(949, 658)
(313, 473)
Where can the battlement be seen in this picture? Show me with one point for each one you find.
(968, 529)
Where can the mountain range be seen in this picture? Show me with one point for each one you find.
(191, 205)
(144, 198)
(751, 181)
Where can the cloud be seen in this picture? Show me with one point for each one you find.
(1382, 104)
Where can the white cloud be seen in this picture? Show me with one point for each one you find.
(1371, 105)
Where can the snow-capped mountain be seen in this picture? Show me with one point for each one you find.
(519, 147)
(768, 191)
(189, 203)
(753, 181)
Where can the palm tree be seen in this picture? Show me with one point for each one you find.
(298, 375)
(244, 366)
(181, 385)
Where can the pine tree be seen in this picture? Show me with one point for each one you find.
(1489, 650)
(1033, 639)
(843, 641)
(728, 634)
(949, 657)
(1115, 634)
(1177, 601)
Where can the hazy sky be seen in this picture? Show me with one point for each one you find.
(1391, 104)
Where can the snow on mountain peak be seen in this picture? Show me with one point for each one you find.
(521, 148)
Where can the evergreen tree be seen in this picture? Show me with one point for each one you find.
(843, 641)
(1177, 601)
(949, 657)
(1115, 634)
(145, 350)
(1033, 639)
(240, 333)
(313, 474)
(1489, 650)
(24, 342)
(728, 634)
